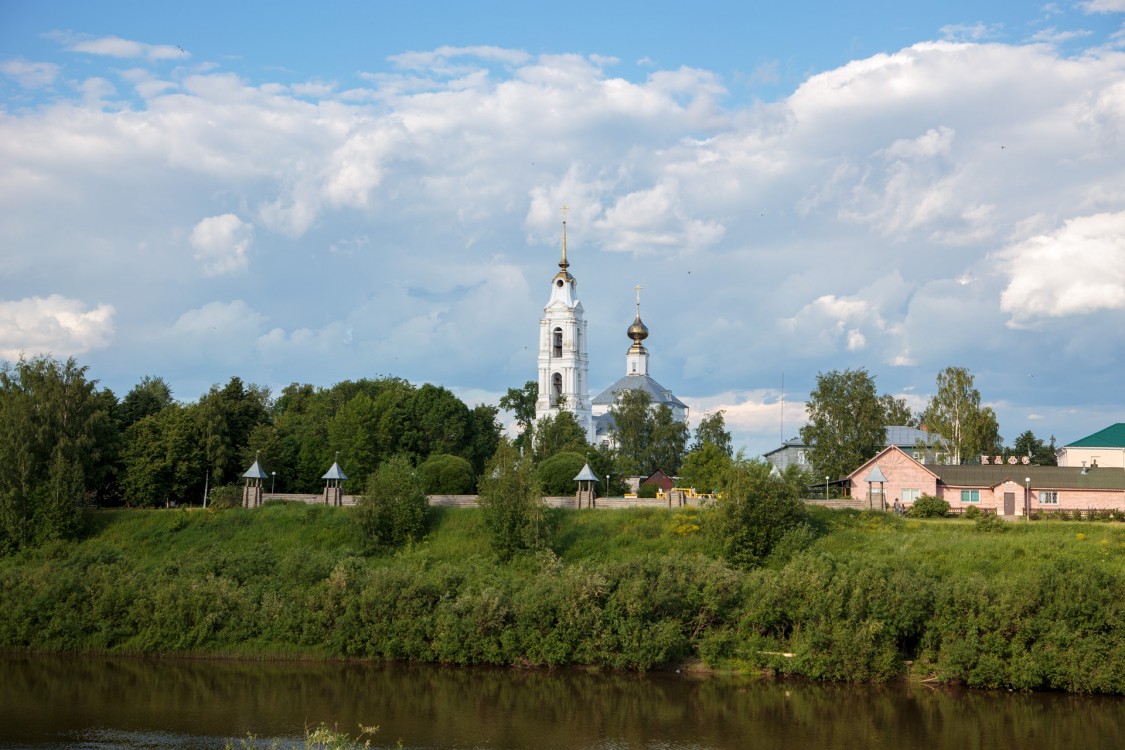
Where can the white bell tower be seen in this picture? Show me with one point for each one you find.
(563, 363)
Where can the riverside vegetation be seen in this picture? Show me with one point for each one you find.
(840, 595)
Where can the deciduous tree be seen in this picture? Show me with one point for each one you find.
(511, 502)
(846, 422)
(955, 413)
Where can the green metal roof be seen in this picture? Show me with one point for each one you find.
(1111, 437)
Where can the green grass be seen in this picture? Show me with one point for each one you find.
(1026, 605)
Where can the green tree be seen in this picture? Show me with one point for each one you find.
(556, 433)
(394, 509)
(443, 474)
(57, 440)
(756, 511)
(846, 422)
(667, 440)
(227, 415)
(556, 474)
(705, 468)
(1035, 449)
(163, 459)
(353, 432)
(484, 436)
(896, 412)
(955, 413)
(521, 403)
(632, 430)
(146, 398)
(712, 430)
(511, 502)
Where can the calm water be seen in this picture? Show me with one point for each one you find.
(52, 702)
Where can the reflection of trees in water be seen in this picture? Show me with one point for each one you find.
(443, 707)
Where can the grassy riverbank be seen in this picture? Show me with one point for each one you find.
(1037, 606)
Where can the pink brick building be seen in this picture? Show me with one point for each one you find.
(1002, 488)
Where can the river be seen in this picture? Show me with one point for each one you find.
(104, 703)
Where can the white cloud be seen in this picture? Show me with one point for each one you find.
(53, 325)
(1104, 6)
(114, 46)
(31, 75)
(221, 244)
(1076, 270)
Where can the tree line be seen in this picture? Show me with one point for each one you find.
(66, 443)
(847, 421)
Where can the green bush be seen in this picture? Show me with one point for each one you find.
(928, 506)
(225, 497)
(393, 512)
(988, 523)
(443, 474)
(648, 490)
(972, 513)
(755, 512)
(556, 474)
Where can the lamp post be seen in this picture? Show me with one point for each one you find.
(826, 488)
(273, 480)
(607, 475)
(1027, 498)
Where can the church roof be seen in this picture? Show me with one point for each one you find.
(658, 393)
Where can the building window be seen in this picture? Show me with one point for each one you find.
(557, 344)
(970, 496)
(1048, 497)
(556, 388)
(910, 495)
(802, 459)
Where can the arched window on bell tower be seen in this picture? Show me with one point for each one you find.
(556, 389)
(556, 343)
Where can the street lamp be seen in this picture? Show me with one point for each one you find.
(607, 475)
(826, 488)
(1027, 498)
(273, 480)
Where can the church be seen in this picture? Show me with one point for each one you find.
(564, 364)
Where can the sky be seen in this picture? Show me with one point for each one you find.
(297, 192)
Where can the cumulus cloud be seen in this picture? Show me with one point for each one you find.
(31, 75)
(221, 244)
(53, 325)
(1077, 270)
(114, 46)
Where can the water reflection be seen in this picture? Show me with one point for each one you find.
(101, 702)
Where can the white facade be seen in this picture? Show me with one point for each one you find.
(563, 363)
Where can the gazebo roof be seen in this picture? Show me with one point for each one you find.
(876, 475)
(586, 475)
(335, 472)
(255, 472)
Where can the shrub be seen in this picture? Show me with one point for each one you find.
(972, 513)
(443, 474)
(511, 503)
(928, 506)
(648, 490)
(556, 474)
(225, 497)
(989, 524)
(756, 511)
(394, 509)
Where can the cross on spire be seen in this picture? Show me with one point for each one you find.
(638, 288)
(563, 264)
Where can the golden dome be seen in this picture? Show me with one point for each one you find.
(638, 331)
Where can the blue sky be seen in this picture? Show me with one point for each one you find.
(295, 193)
